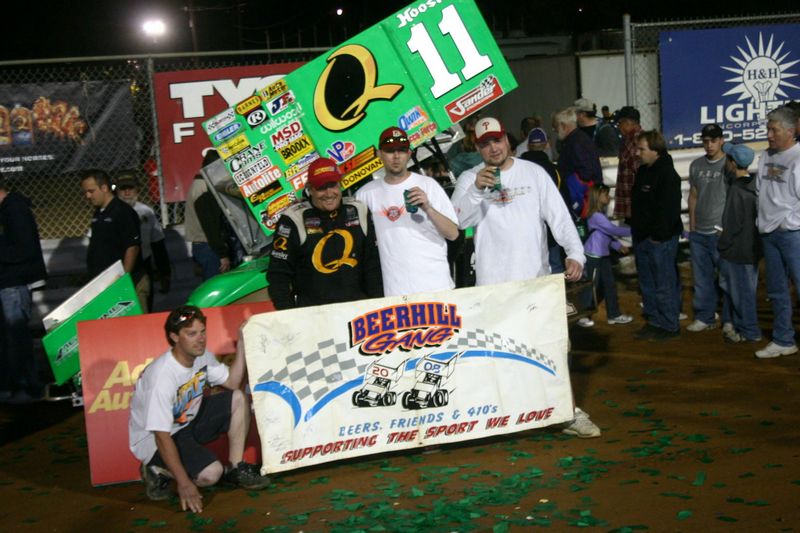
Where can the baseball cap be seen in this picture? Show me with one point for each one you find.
(742, 154)
(322, 171)
(586, 105)
(393, 137)
(126, 181)
(711, 130)
(488, 128)
(537, 136)
(628, 112)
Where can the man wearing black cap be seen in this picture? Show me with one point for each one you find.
(324, 249)
(708, 188)
(413, 219)
(628, 124)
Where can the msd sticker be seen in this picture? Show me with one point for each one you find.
(488, 91)
(286, 134)
(280, 103)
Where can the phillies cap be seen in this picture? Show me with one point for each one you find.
(742, 154)
(537, 136)
(712, 130)
(488, 128)
(322, 171)
(393, 137)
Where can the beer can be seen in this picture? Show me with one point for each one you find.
(411, 208)
(497, 185)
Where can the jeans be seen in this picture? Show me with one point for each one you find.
(782, 258)
(738, 283)
(18, 369)
(204, 256)
(705, 263)
(604, 284)
(556, 260)
(658, 281)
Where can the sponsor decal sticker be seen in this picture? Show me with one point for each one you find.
(341, 151)
(219, 121)
(273, 90)
(412, 118)
(280, 103)
(270, 215)
(262, 195)
(286, 134)
(256, 168)
(256, 117)
(227, 132)
(296, 149)
(487, 92)
(423, 134)
(249, 104)
(277, 122)
(233, 147)
(260, 181)
(247, 156)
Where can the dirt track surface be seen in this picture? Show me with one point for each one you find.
(698, 435)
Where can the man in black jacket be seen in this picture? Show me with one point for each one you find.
(656, 225)
(324, 250)
(21, 266)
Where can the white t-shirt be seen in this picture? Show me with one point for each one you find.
(778, 184)
(167, 397)
(510, 232)
(149, 228)
(413, 253)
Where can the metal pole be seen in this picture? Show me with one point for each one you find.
(157, 145)
(630, 97)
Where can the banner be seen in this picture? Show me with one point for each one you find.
(114, 352)
(732, 77)
(184, 99)
(340, 381)
(422, 69)
(47, 129)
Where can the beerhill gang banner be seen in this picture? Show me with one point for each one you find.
(346, 380)
(422, 69)
(184, 99)
(47, 129)
(732, 77)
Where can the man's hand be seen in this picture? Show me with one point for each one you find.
(624, 250)
(485, 178)
(191, 498)
(224, 265)
(574, 270)
(418, 197)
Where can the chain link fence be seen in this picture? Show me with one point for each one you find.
(643, 73)
(52, 110)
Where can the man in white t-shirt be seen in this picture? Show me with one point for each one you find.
(509, 201)
(170, 420)
(412, 217)
(778, 185)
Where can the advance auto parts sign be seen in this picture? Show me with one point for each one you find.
(397, 373)
(422, 69)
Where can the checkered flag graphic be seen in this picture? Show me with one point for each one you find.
(318, 372)
(479, 338)
(321, 371)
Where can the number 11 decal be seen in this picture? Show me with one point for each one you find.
(421, 43)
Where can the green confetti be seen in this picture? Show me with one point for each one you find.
(320, 480)
(699, 479)
(683, 515)
(500, 528)
(676, 495)
(416, 492)
(140, 522)
(158, 525)
(727, 518)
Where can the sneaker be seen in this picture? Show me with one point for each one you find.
(663, 335)
(621, 319)
(585, 322)
(731, 336)
(247, 476)
(776, 350)
(581, 426)
(727, 327)
(156, 485)
(645, 332)
(682, 316)
(699, 325)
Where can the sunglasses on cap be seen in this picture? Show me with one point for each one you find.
(187, 316)
(392, 140)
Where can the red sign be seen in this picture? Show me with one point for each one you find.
(114, 352)
(184, 99)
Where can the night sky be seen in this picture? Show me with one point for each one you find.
(50, 28)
